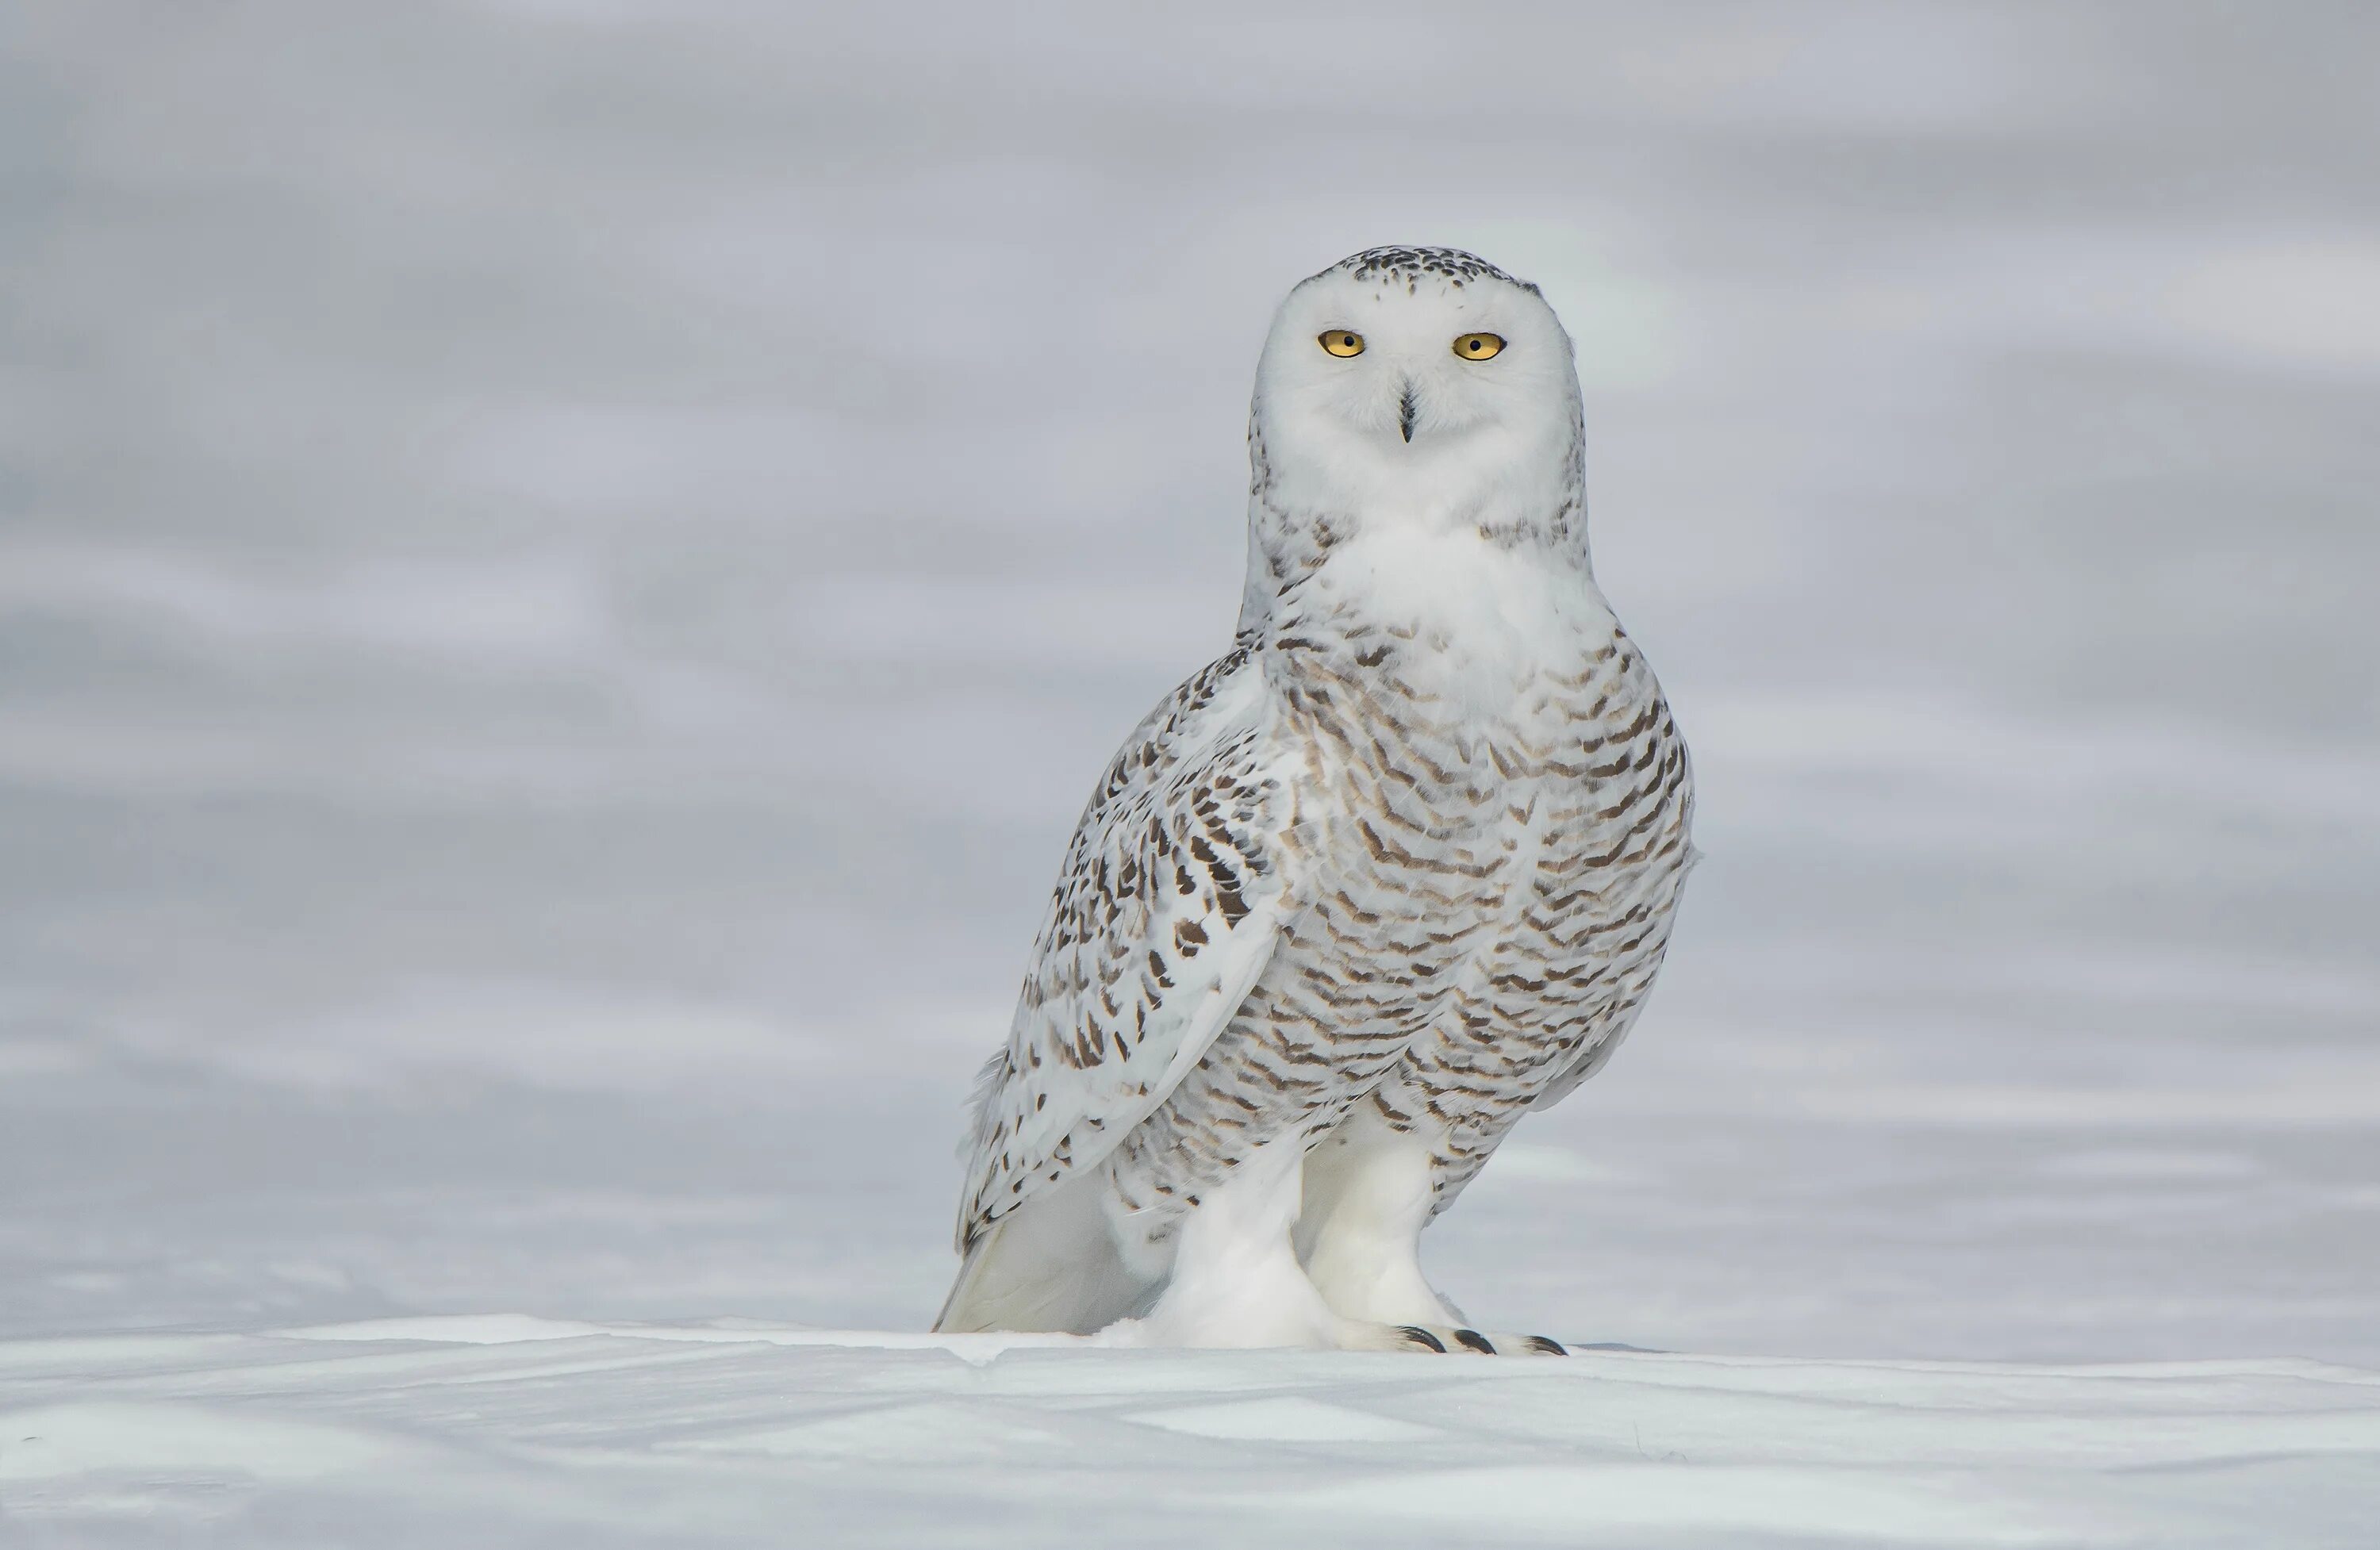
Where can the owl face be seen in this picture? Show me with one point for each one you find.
(1420, 378)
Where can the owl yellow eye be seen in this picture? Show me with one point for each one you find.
(1477, 347)
(1342, 343)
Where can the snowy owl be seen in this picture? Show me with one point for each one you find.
(1396, 869)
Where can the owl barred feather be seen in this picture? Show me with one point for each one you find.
(1396, 871)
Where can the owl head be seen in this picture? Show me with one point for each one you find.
(1422, 387)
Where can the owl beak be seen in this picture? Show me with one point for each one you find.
(1405, 413)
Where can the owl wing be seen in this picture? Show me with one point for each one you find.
(1167, 910)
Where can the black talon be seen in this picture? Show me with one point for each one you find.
(1421, 1337)
(1550, 1348)
(1475, 1340)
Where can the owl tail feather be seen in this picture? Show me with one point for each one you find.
(1051, 1265)
(963, 1311)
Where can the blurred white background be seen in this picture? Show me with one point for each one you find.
(567, 567)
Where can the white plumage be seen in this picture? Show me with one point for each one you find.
(1396, 869)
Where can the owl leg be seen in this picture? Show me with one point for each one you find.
(1366, 1199)
(1234, 1281)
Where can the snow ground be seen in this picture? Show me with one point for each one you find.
(564, 569)
(440, 1431)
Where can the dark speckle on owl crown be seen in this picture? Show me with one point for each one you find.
(1411, 263)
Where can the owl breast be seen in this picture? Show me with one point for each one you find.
(1492, 826)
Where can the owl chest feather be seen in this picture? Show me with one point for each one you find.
(1487, 803)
